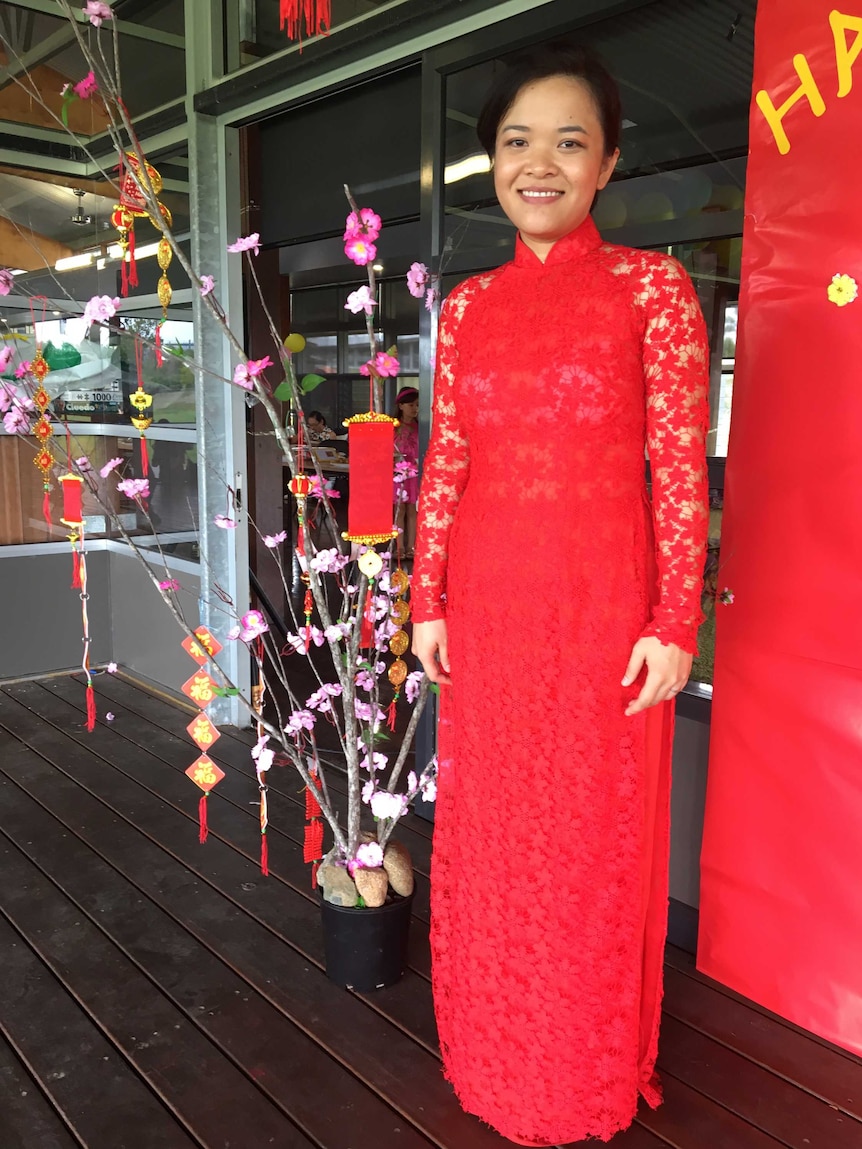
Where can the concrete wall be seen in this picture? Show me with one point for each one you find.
(42, 615)
(146, 638)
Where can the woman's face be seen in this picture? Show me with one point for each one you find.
(409, 411)
(550, 160)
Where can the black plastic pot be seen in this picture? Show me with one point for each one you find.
(366, 948)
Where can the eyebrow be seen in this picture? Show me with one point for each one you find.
(524, 128)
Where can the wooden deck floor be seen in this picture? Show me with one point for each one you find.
(159, 994)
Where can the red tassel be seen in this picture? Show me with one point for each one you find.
(317, 15)
(312, 806)
(312, 847)
(124, 278)
(91, 708)
(300, 541)
(76, 570)
(392, 713)
(133, 267)
(46, 507)
(145, 460)
(202, 819)
(264, 856)
(314, 870)
(159, 357)
(366, 634)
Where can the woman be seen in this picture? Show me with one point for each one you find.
(549, 878)
(407, 451)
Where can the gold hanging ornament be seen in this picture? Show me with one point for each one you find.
(399, 581)
(133, 205)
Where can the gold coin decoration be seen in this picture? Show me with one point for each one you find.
(398, 643)
(400, 611)
(398, 673)
(399, 581)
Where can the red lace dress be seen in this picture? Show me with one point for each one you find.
(538, 544)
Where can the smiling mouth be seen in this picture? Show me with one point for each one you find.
(539, 196)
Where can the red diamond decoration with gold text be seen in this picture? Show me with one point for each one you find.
(41, 398)
(200, 689)
(44, 460)
(204, 773)
(43, 429)
(202, 732)
(204, 647)
(39, 367)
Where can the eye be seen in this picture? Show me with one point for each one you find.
(569, 145)
(516, 143)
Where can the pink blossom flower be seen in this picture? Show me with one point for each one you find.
(300, 720)
(22, 369)
(7, 281)
(412, 782)
(8, 391)
(361, 300)
(111, 668)
(412, 684)
(246, 243)
(386, 805)
(207, 284)
(97, 12)
(16, 422)
(366, 225)
(429, 790)
(336, 632)
(169, 584)
(86, 87)
(109, 717)
(252, 625)
(83, 464)
(265, 760)
(297, 641)
(368, 790)
(405, 470)
(321, 699)
(272, 541)
(135, 488)
(245, 372)
(431, 297)
(224, 522)
(365, 712)
(383, 364)
(726, 597)
(360, 251)
(369, 855)
(417, 278)
(5, 355)
(111, 465)
(329, 561)
(320, 489)
(374, 762)
(100, 309)
(233, 634)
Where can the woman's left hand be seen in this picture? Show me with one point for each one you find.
(668, 669)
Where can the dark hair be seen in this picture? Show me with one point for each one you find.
(405, 395)
(555, 58)
(316, 415)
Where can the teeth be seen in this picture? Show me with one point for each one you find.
(540, 195)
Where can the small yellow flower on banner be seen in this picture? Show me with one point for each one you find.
(842, 290)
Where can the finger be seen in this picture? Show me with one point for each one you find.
(443, 656)
(634, 667)
(648, 695)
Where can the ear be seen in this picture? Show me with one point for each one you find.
(607, 168)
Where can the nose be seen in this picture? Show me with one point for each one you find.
(542, 161)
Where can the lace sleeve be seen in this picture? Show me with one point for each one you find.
(444, 475)
(676, 372)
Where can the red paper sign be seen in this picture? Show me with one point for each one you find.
(372, 459)
(204, 773)
(781, 897)
(202, 732)
(199, 688)
(205, 647)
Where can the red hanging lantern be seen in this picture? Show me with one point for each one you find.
(371, 440)
(315, 14)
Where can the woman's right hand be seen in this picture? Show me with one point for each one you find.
(430, 645)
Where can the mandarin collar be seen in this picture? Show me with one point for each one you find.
(578, 243)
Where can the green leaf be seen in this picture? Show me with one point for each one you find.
(309, 382)
(283, 392)
(360, 903)
(434, 688)
(226, 691)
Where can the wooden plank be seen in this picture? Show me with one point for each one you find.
(86, 1078)
(281, 1072)
(176, 749)
(787, 1052)
(107, 805)
(689, 1120)
(754, 1094)
(27, 1119)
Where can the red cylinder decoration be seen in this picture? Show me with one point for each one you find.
(781, 900)
(372, 454)
(73, 487)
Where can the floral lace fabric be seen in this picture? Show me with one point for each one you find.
(539, 545)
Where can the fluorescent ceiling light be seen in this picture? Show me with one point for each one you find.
(116, 252)
(629, 124)
(18, 271)
(83, 260)
(470, 166)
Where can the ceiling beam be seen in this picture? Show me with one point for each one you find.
(125, 27)
(28, 249)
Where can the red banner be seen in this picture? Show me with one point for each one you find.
(370, 512)
(781, 903)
